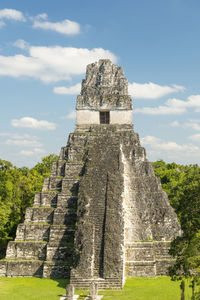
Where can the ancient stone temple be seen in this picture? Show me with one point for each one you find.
(102, 214)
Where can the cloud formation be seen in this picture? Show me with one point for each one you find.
(25, 140)
(27, 122)
(170, 150)
(32, 152)
(21, 44)
(193, 124)
(172, 106)
(66, 27)
(72, 90)
(10, 14)
(195, 137)
(152, 90)
(52, 64)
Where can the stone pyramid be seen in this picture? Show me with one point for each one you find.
(102, 214)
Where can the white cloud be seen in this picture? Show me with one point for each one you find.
(42, 16)
(193, 124)
(66, 27)
(23, 142)
(21, 44)
(157, 143)
(27, 122)
(152, 90)
(195, 137)
(72, 90)
(172, 106)
(32, 152)
(10, 14)
(26, 152)
(174, 124)
(52, 64)
(170, 150)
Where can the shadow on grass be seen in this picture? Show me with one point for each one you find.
(62, 283)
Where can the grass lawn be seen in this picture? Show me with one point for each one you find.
(31, 288)
(160, 288)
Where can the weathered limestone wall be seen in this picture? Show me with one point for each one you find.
(91, 117)
(122, 210)
(99, 235)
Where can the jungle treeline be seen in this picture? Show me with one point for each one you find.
(17, 189)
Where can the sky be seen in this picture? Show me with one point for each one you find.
(46, 45)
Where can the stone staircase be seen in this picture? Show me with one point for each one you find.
(43, 246)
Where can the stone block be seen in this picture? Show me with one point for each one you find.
(39, 215)
(140, 251)
(70, 186)
(23, 268)
(64, 217)
(61, 234)
(28, 250)
(58, 168)
(73, 169)
(57, 252)
(3, 268)
(57, 269)
(140, 269)
(66, 201)
(45, 199)
(30, 232)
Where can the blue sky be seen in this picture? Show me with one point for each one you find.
(46, 45)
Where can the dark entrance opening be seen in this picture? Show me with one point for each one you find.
(104, 117)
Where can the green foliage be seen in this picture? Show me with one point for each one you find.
(17, 189)
(182, 184)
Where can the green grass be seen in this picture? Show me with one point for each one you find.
(160, 288)
(30, 288)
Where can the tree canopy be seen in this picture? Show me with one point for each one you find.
(17, 189)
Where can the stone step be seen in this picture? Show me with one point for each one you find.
(32, 232)
(73, 169)
(58, 168)
(59, 252)
(66, 201)
(45, 199)
(135, 251)
(140, 269)
(77, 140)
(39, 215)
(63, 153)
(61, 235)
(56, 269)
(52, 183)
(23, 268)
(64, 216)
(75, 153)
(148, 251)
(107, 283)
(3, 268)
(70, 186)
(28, 250)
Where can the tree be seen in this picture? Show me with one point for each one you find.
(182, 183)
(17, 189)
